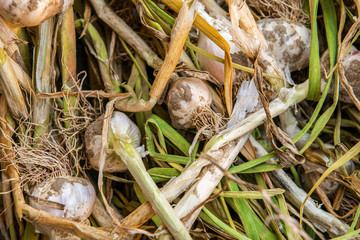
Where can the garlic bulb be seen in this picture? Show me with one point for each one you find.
(186, 97)
(121, 128)
(288, 41)
(68, 197)
(351, 63)
(29, 13)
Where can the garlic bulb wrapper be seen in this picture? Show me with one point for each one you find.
(67, 197)
(121, 128)
(29, 13)
(186, 97)
(288, 41)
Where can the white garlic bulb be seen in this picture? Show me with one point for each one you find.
(68, 197)
(29, 13)
(288, 41)
(186, 97)
(121, 128)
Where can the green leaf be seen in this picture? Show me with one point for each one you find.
(250, 164)
(253, 225)
(314, 62)
(163, 174)
(150, 146)
(264, 167)
(331, 36)
(223, 226)
(164, 129)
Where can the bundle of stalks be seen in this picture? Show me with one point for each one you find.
(179, 119)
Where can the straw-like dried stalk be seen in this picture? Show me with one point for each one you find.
(8, 36)
(7, 201)
(101, 216)
(126, 33)
(287, 98)
(10, 86)
(5, 185)
(179, 34)
(23, 78)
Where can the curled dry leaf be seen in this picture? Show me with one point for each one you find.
(291, 156)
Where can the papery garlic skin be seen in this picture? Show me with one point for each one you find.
(121, 128)
(77, 196)
(288, 41)
(27, 13)
(350, 63)
(216, 69)
(185, 97)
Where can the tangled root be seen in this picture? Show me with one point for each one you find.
(38, 159)
(208, 121)
(287, 9)
(73, 122)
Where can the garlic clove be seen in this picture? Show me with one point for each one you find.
(288, 41)
(27, 13)
(121, 128)
(68, 197)
(185, 98)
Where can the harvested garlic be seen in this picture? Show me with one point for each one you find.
(121, 128)
(68, 197)
(351, 63)
(29, 13)
(288, 41)
(186, 98)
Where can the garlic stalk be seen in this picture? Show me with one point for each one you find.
(134, 163)
(121, 128)
(287, 98)
(43, 72)
(67, 197)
